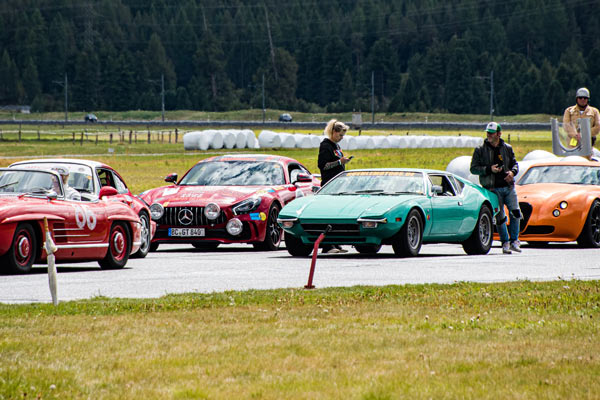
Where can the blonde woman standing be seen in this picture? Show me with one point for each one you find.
(331, 162)
(331, 159)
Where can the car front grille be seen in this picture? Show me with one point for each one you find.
(171, 217)
(526, 210)
(346, 230)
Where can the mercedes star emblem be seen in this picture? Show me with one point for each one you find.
(185, 216)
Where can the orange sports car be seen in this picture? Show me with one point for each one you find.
(560, 202)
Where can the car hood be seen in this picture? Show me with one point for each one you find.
(542, 193)
(343, 207)
(202, 195)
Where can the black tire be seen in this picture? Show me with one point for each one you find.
(407, 242)
(119, 247)
(154, 246)
(590, 234)
(537, 245)
(368, 248)
(146, 237)
(273, 232)
(480, 241)
(295, 246)
(22, 252)
(205, 246)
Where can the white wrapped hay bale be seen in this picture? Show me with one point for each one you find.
(303, 141)
(251, 140)
(539, 155)
(229, 138)
(461, 166)
(190, 140)
(381, 142)
(316, 140)
(364, 142)
(287, 140)
(394, 141)
(216, 140)
(241, 141)
(269, 139)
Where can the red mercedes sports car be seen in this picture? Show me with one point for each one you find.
(100, 230)
(228, 199)
(88, 177)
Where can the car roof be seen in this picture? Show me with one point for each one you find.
(427, 171)
(567, 163)
(89, 163)
(251, 157)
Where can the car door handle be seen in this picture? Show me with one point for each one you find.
(460, 203)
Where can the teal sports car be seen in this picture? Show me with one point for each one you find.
(400, 207)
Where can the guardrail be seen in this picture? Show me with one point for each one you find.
(287, 125)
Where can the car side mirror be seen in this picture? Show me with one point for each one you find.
(437, 189)
(107, 191)
(52, 195)
(171, 177)
(303, 178)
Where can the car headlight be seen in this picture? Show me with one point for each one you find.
(246, 206)
(212, 211)
(234, 227)
(287, 222)
(563, 204)
(156, 211)
(371, 222)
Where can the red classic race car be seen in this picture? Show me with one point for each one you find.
(228, 199)
(100, 230)
(88, 177)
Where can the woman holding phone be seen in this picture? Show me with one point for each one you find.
(332, 161)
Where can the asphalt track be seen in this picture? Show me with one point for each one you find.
(181, 269)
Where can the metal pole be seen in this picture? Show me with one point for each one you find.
(492, 95)
(372, 97)
(66, 98)
(263, 97)
(162, 84)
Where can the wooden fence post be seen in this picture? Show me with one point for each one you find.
(169, 137)
(176, 133)
(130, 137)
(96, 138)
(110, 137)
(149, 138)
(81, 140)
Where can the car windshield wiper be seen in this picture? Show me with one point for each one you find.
(400, 192)
(9, 184)
(340, 193)
(370, 191)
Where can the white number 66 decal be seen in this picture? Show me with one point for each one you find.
(84, 216)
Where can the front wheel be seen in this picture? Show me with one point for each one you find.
(119, 247)
(22, 252)
(273, 231)
(407, 242)
(480, 240)
(590, 234)
(368, 248)
(295, 246)
(146, 237)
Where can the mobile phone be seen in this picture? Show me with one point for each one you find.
(350, 158)
(573, 142)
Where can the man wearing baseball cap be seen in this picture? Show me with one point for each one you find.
(581, 109)
(495, 164)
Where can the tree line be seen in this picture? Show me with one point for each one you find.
(457, 56)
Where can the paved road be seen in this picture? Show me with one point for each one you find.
(180, 268)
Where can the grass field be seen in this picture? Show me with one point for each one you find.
(520, 340)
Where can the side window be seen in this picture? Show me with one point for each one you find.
(119, 184)
(459, 185)
(105, 177)
(444, 182)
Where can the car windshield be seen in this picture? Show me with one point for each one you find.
(80, 176)
(375, 182)
(19, 181)
(234, 173)
(572, 174)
